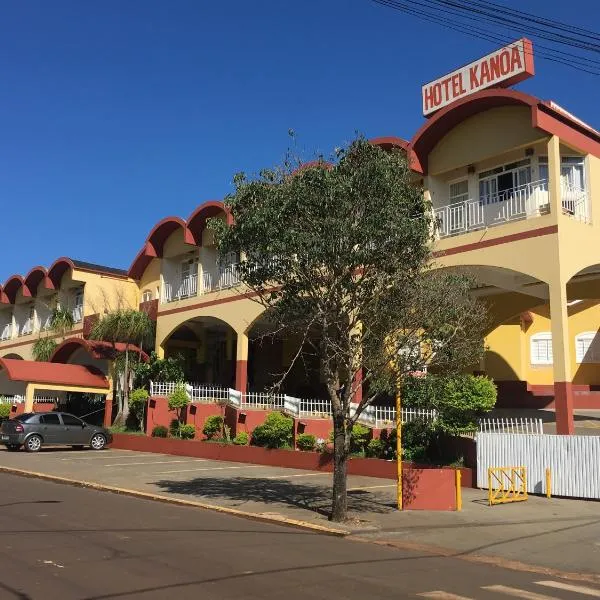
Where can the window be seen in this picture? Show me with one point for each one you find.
(72, 420)
(572, 171)
(541, 349)
(459, 191)
(501, 183)
(50, 419)
(587, 347)
(147, 296)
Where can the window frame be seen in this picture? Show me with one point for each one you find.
(542, 336)
(594, 346)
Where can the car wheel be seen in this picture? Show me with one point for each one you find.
(98, 441)
(33, 443)
(13, 447)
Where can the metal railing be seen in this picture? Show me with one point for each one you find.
(221, 278)
(6, 331)
(517, 203)
(575, 203)
(208, 394)
(27, 327)
(162, 388)
(514, 425)
(314, 407)
(184, 288)
(77, 313)
(262, 401)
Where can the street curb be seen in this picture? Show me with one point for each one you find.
(497, 561)
(274, 520)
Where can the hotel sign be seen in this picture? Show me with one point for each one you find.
(501, 68)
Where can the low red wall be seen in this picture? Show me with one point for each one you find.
(19, 409)
(425, 488)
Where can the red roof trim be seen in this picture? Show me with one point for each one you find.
(29, 371)
(389, 142)
(196, 222)
(13, 285)
(58, 268)
(35, 277)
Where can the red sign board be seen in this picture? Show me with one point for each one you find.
(501, 68)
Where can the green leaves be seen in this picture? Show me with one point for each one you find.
(43, 348)
(123, 325)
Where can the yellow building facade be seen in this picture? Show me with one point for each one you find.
(514, 183)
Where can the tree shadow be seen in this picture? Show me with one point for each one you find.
(306, 496)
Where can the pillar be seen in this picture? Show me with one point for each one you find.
(108, 404)
(29, 395)
(563, 386)
(554, 187)
(357, 385)
(241, 362)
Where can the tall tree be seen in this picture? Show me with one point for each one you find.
(345, 250)
(126, 326)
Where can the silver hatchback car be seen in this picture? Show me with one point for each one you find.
(33, 430)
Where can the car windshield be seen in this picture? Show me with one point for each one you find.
(24, 417)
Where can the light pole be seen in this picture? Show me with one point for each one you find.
(399, 442)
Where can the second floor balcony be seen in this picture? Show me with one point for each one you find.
(190, 285)
(520, 202)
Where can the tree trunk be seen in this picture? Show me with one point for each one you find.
(341, 448)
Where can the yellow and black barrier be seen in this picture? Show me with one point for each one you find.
(507, 484)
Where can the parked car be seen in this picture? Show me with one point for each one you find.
(33, 430)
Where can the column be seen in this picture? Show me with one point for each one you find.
(108, 404)
(554, 187)
(29, 395)
(357, 384)
(241, 362)
(563, 386)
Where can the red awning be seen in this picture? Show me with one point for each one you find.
(30, 371)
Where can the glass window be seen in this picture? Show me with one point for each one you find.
(50, 419)
(541, 349)
(71, 420)
(147, 296)
(587, 347)
(459, 191)
(572, 171)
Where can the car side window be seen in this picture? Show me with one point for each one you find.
(31, 419)
(50, 419)
(71, 420)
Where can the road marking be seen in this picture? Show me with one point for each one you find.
(298, 475)
(443, 596)
(210, 469)
(517, 593)
(578, 589)
(105, 457)
(154, 462)
(372, 487)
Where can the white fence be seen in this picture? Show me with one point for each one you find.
(262, 401)
(385, 416)
(533, 426)
(573, 461)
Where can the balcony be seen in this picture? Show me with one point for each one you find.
(26, 327)
(186, 287)
(219, 278)
(522, 202)
(6, 331)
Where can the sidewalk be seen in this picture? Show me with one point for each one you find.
(555, 534)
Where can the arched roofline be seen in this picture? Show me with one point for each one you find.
(389, 142)
(38, 275)
(12, 286)
(154, 244)
(58, 268)
(196, 222)
(96, 349)
(546, 116)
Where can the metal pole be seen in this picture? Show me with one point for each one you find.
(399, 445)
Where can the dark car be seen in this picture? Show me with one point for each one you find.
(33, 430)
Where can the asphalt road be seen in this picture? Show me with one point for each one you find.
(63, 542)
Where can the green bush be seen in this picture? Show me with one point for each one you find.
(160, 431)
(5, 408)
(376, 448)
(417, 440)
(137, 404)
(187, 432)
(306, 442)
(178, 400)
(174, 428)
(276, 432)
(213, 426)
(241, 439)
(359, 438)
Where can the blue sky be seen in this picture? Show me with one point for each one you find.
(115, 114)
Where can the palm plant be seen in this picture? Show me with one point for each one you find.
(61, 322)
(126, 326)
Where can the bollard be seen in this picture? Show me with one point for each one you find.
(548, 483)
(458, 490)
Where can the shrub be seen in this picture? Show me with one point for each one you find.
(276, 432)
(137, 404)
(241, 439)
(306, 442)
(174, 428)
(417, 438)
(187, 432)
(178, 400)
(375, 448)
(5, 408)
(160, 431)
(359, 438)
(213, 426)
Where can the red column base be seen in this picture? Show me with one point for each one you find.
(358, 394)
(108, 403)
(563, 404)
(241, 376)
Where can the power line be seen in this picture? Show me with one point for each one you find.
(574, 61)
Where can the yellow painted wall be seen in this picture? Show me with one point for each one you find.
(151, 278)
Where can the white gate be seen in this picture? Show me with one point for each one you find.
(573, 460)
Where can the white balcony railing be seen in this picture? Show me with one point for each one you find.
(521, 202)
(221, 278)
(77, 313)
(181, 289)
(27, 327)
(6, 331)
(575, 203)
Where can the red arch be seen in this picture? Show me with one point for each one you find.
(96, 349)
(58, 268)
(389, 142)
(196, 222)
(13, 285)
(36, 276)
(3, 297)
(155, 243)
